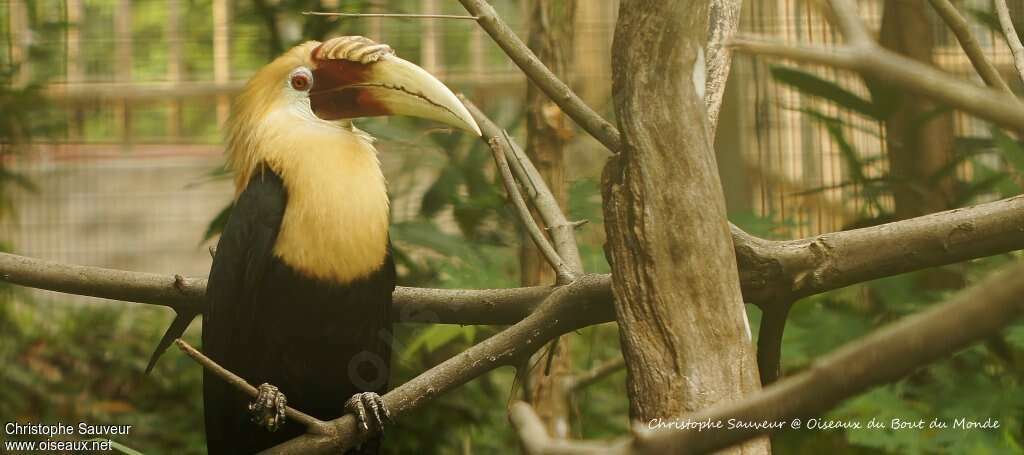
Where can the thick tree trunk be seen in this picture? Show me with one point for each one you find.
(677, 296)
(919, 142)
(918, 148)
(551, 38)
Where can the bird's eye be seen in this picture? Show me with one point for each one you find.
(301, 80)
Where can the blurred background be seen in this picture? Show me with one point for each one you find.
(110, 155)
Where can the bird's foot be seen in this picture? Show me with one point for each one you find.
(268, 409)
(359, 405)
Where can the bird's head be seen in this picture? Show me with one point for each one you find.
(329, 83)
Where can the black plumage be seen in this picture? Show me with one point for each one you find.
(318, 342)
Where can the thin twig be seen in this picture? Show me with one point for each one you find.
(312, 424)
(563, 231)
(550, 84)
(970, 44)
(849, 23)
(595, 374)
(1010, 33)
(564, 274)
(391, 15)
(534, 438)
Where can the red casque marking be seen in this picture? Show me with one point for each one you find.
(331, 97)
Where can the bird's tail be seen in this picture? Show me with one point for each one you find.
(177, 328)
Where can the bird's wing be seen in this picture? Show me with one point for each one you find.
(242, 256)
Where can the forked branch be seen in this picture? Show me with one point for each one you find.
(884, 356)
(959, 26)
(550, 84)
(768, 269)
(864, 56)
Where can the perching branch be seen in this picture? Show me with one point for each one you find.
(768, 269)
(864, 56)
(970, 44)
(524, 58)
(312, 423)
(882, 357)
(1010, 33)
(569, 307)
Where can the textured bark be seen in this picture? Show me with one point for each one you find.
(675, 281)
(548, 130)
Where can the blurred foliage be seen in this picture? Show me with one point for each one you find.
(982, 382)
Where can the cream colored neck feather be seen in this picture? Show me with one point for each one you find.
(335, 225)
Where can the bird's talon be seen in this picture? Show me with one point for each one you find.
(359, 402)
(268, 410)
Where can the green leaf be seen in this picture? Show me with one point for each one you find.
(442, 192)
(438, 335)
(427, 235)
(1010, 149)
(216, 225)
(810, 84)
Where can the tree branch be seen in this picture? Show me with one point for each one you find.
(569, 307)
(1010, 33)
(769, 340)
(535, 440)
(970, 44)
(723, 21)
(849, 23)
(312, 424)
(881, 357)
(884, 356)
(524, 58)
(595, 374)
(565, 275)
(870, 60)
(563, 232)
(768, 269)
(774, 270)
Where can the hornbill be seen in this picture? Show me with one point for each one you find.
(300, 287)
